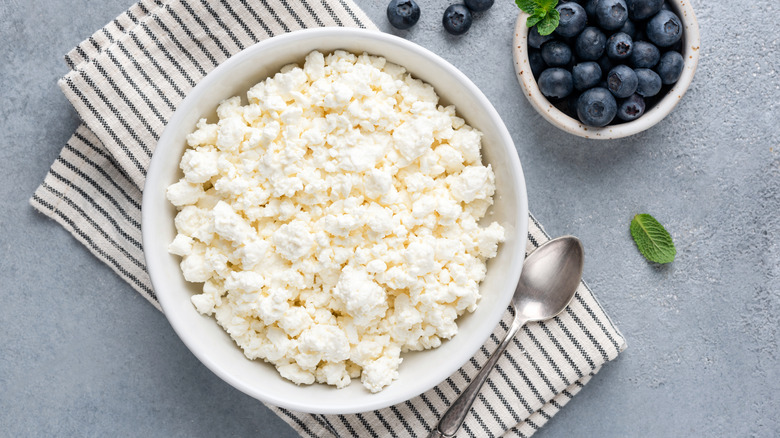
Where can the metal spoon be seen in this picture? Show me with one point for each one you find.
(547, 284)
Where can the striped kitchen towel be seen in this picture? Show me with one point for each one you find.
(126, 81)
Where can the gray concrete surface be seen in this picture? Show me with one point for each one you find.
(81, 354)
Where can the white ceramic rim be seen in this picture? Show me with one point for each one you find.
(154, 259)
(652, 116)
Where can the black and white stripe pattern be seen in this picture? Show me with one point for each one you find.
(125, 82)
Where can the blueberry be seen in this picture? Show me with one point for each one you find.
(664, 29)
(596, 107)
(536, 40)
(403, 14)
(572, 19)
(457, 19)
(644, 55)
(619, 46)
(629, 28)
(639, 33)
(586, 75)
(590, 9)
(648, 82)
(479, 5)
(536, 61)
(569, 105)
(643, 9)
(555, 83)
(556, 53)
(670, 67)
(611, 14)
(631, 108)
(590, 44)
(606, 63)
(677, 47)
(622, 81)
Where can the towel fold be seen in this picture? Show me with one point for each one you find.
(126, 81)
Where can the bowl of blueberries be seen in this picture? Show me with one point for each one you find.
(610, 68)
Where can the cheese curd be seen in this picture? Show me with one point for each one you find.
(333, 219)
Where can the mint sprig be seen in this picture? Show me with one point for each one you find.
(652, 239)
(542, 13)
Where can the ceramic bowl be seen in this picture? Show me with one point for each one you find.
(419, 371)
(652, 115)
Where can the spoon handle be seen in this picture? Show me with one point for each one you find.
(452, 419)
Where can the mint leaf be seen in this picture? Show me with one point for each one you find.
(542, 13)
(549, 23)
(527, 6)
(652, 239)
(547, 5)
(535, 18)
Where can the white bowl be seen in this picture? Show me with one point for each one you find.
(691, 41)
(208, 341)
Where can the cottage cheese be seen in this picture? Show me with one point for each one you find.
(333, 219)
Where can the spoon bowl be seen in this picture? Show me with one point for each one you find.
(547, 285)
(549, 278)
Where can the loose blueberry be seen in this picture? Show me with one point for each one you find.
(555, 83)
(631, 108)
(403, 14)
(590, 44)
(611, 14)
(645, 55)
(619, 46)
(457, 19)
(670, 67)
(596, 107)
(479, 5)
(664, 29)
(586, 75)
(643, 9)
(536, 61)
(572, 19)
(648, 82)
(536, 40)
(622, 81)
(556, 53)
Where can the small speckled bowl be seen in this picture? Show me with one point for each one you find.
(651, 116)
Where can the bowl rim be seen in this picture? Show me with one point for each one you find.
(155, 173)
(662, 108)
